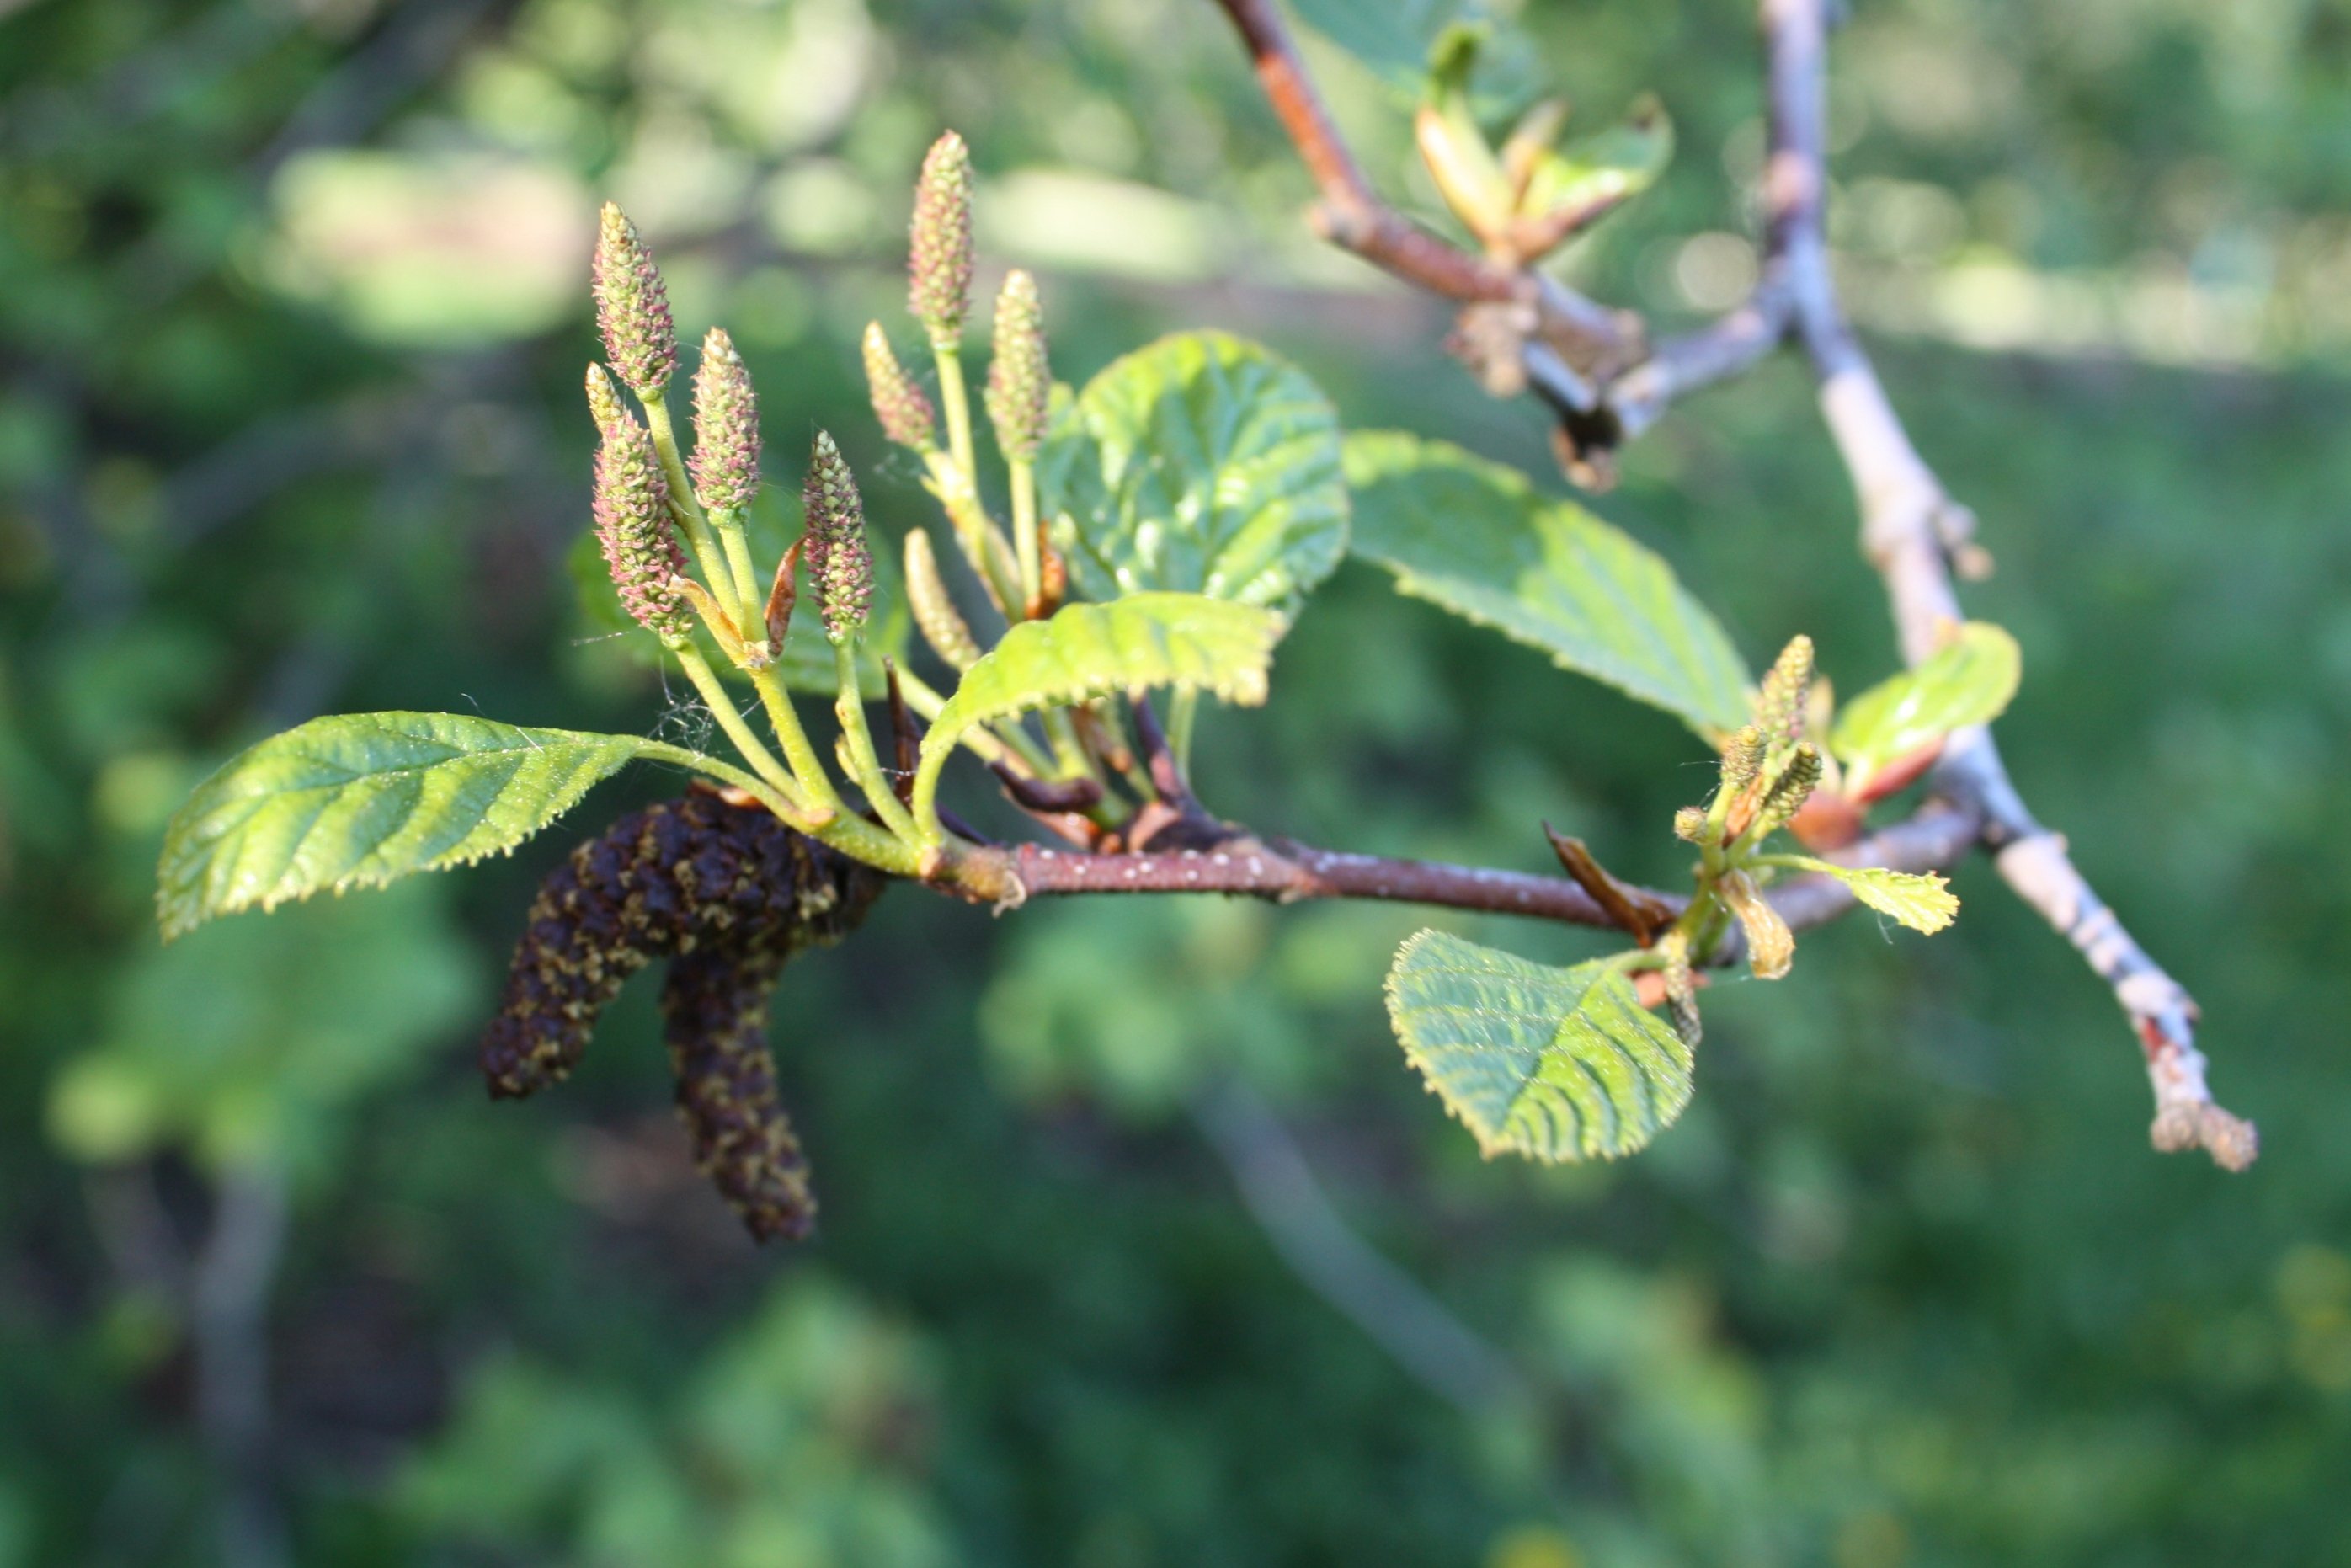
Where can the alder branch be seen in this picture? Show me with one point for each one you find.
(1286, 870)
(1584, 360)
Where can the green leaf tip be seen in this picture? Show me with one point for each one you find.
(1558, 1065)
(359, 800)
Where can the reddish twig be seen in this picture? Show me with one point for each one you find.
(1288, 872)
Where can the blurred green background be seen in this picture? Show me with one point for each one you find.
(1182, 1268)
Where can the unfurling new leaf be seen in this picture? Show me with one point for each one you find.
(1923, 902)
(1555, 1064)
(1969, 681)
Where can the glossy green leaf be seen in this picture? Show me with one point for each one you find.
(1555, 1064)
(1200, 463)
(1969, 681)
(1476, 538)
(1599, 171)
(1922, 902)
(359, 800)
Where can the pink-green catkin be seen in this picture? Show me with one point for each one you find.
(632, 307)
(839, 561)
(906, 414)
(938, 267)
(1019, 381)
(726, 428)
(633, 528)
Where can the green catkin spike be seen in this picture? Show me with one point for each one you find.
(1779, 704)
(1020, 380)
(632, 524)
(839, 561)
(632, 307)
(1788, 791)
(725, 464)
(906, 415)
(939, 291)
(942, 624)
(1743, 757)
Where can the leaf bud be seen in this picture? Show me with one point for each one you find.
(1689, 825)
(632, 307)
(725, 427)
(782, 595)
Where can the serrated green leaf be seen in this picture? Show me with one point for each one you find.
(1476, 538)
(1606, 167)
(1200, 463)
(1969, 681)
(1556, 1064)
(1923, 902)
(1185, 641)
(358, 800)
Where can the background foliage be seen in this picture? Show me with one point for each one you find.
(291, 321)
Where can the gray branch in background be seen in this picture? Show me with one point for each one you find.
(1440, 1352)
(228, 1319)
(1911, 530)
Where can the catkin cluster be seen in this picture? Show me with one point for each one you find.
(727, 893)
